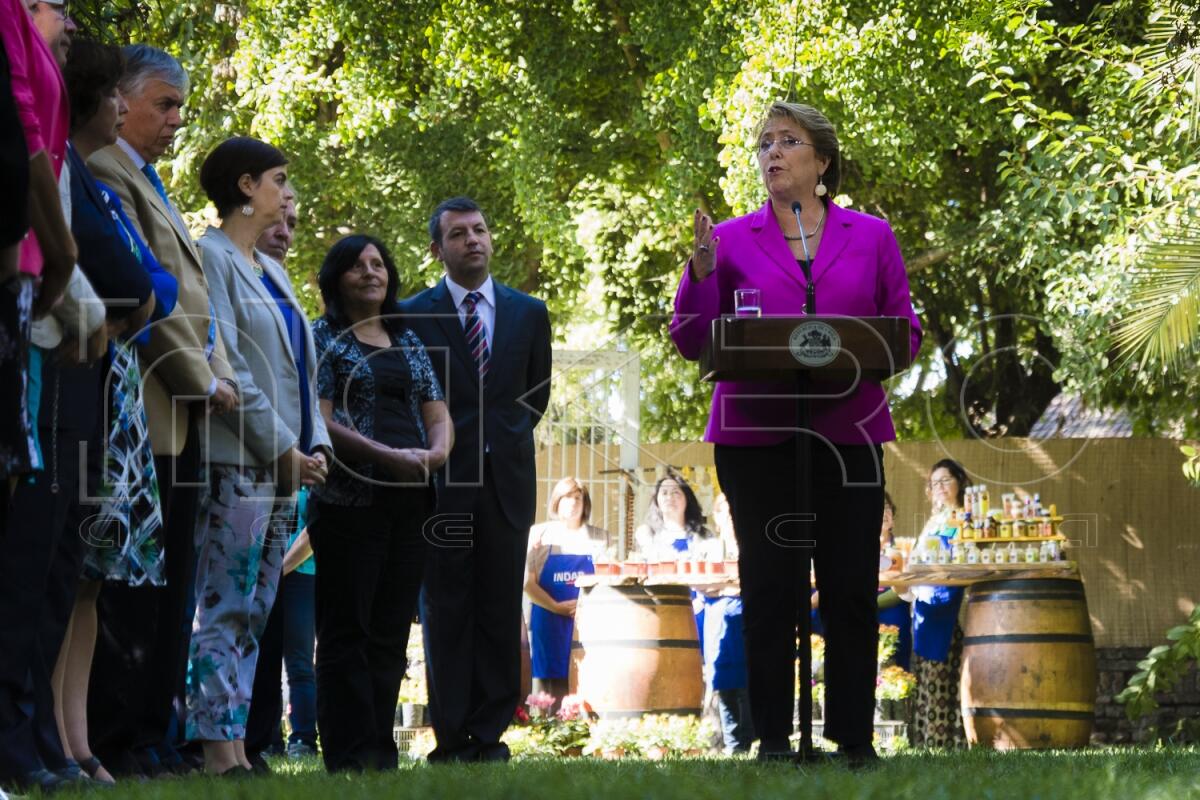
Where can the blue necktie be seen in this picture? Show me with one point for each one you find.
(476, 334)
(152, 175)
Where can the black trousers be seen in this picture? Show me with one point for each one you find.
(471, 615)
(289, 636)
(31, 603)
(847, 501)
(144, 631)
(370, 562)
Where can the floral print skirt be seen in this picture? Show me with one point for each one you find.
(241, 538)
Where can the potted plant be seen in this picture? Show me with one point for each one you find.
(893, 687)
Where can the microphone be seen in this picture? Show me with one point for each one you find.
(810, 304)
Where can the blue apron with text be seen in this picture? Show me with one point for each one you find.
(550, 633)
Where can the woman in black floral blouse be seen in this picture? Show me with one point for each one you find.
(390, 427)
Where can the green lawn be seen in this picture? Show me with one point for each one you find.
(1119, 774)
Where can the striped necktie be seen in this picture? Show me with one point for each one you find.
(476, 334)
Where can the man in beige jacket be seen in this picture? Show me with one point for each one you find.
(142, 645)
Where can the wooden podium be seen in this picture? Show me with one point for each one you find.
(821, 356)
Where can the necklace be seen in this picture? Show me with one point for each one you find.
(805, 234)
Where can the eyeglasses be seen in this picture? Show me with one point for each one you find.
(788, 143)
(942, 482)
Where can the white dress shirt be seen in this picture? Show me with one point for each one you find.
(486, 309)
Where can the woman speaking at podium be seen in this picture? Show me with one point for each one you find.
(801, 251)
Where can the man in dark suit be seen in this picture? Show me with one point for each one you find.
(490, 347)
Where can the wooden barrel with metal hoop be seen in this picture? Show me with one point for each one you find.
(1029, 665)
(635, 651)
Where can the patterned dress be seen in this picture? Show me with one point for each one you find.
(126, 536)
(937, 712)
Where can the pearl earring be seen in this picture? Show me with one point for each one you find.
(247, 210)
(820, 190)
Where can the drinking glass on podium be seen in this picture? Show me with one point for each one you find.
(747, 302)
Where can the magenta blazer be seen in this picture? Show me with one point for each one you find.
(41, 100)
(858, 272)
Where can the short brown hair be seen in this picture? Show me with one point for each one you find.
(564, 488)
(228, 162)
(818, 126)
(92, 73)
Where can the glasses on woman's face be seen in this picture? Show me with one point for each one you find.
(943, 483)
(787, 143)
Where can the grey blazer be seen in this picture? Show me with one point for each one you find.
(268, 420)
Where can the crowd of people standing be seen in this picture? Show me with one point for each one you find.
(196, 475)
(174, 514)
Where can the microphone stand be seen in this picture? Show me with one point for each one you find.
(807, 752)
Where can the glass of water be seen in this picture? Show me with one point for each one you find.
(747, 302)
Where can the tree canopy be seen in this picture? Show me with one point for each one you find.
(1028, 155)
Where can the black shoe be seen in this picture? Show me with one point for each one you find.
(235, 773)
(91, 766)
(122, 764)
(258, 764)
(148, 764)
(494, 752)
(861, 756)
(192, 754)
(774, 751)
(171, 762)
(45, 781)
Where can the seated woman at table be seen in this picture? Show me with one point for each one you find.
(674, 524)
(559, 551)
(937, 637)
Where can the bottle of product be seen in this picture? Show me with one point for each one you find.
(1006, 528)
(956, 555)
(1014, 557)
(984, 501)
(943, 555)
(999, 554)
(1018, 528)
(1044, 553)
(1031, 554)
(972, 553)
(985, 555)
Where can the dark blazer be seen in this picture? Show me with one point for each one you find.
(105, 255)
(514, 398)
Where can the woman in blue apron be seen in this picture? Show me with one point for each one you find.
(674, 530)
(674, 524)
(559, 552)
(937, 637)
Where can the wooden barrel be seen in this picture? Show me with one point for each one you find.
(635, 651)
(1029, 665)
